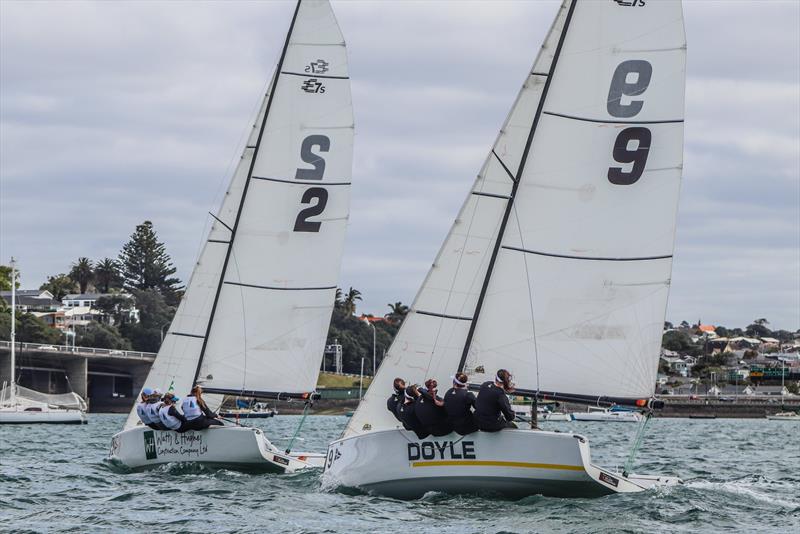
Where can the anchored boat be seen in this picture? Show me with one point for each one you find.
(254, 318)
(20, 405)
(556, 268)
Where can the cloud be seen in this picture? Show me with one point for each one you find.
(113, 113)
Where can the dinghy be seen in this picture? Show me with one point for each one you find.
(20, 405)
(557, 267)
(594, 413)
(254, 319)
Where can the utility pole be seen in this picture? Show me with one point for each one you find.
(13, 325)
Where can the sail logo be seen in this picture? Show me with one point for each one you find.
(630, 3)
(319, 66)
(441, 450)
(150, 445)
(312, 85)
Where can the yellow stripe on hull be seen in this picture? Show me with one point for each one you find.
(489, 463)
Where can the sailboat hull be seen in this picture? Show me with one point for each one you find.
(511, 463)
(13, 415)
(235, 447)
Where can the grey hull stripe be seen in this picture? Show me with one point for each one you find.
(602, 121)
(281, 288)
(591, 258)
(306, 75)
(299, 182)
(442, 315)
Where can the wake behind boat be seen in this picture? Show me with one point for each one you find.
(557, 267)
(254, 319)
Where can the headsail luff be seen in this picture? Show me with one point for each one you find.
(576, 294)
(279, 235)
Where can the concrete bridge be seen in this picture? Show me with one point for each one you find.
(108, 379)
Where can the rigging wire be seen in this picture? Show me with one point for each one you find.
(299, 426)
(636, 443)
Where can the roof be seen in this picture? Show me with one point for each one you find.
(94, 296)
(30, 301)
(770, 340)
(706, 328)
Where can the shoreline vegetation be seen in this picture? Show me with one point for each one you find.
(135, 295)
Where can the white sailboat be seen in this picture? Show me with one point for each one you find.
(20, 405)
(557, 267)
(597, 414)
(254, 318)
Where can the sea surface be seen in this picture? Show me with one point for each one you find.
(740, 476)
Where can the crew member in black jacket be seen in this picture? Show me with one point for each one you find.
(459, 403)
(430, 411)
(394, 402)
(492, 410)
(406, 412)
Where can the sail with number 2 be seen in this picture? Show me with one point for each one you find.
(255, 315)
(558, 264)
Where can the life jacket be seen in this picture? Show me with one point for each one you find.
(190, 408)
(151, 410)
(141, 411)
(170, 421)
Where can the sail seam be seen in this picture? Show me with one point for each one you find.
(186, 335)
(245, 188)
(510, 203)
(510, 174)
(534, 73)
(602, 121)
(315, 75)
(592, 258)
(219, 241)
(482, 194)
(299, 182)
(276, 288)
(443, 315)
(220, 221)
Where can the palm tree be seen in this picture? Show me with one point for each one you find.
(337, 300)
(398, 313)
(350, 299)
(106, 275)
(82, 273)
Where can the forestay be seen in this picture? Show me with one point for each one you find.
(279, 234)
(582, 186)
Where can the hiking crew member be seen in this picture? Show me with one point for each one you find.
(141, 406)
(196, 411)
(492, 410)
(459, 403)
(429, 409)
(394, 402)
(405, 412)
(153, 406)
(170, 416)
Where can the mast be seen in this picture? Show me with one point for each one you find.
(510, 204)
(244, 191)
(13, 325)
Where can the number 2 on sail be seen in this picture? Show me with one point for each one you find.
(630, 79)
(320, 194)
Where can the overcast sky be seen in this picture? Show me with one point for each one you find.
(113, 113)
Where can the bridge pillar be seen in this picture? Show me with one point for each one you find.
(77, 373)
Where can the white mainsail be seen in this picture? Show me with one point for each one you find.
(582, 188)
(256, 311)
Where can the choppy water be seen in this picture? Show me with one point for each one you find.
(741, 475)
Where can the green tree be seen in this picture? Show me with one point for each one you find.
(759, 329)
(722, 331)
(101, 336)
(116, 306)
(59, 285)
(397, 313)
(5, 278)
(29, 329)
(106, 275)
(145, 264)
(154, 314)
(350, 299)
(82, 273)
